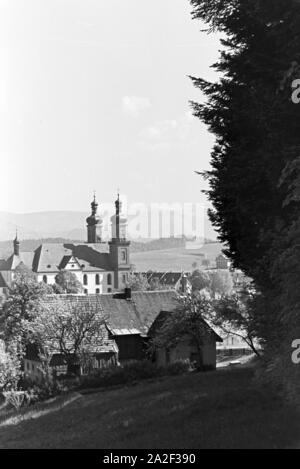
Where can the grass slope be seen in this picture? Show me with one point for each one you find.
(174, 259)
(222, 409)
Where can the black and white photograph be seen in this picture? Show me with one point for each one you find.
(149, 228)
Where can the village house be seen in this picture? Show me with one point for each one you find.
(186, 348)
(222, 262)
(177, 281)
(99, 266)
(129, 317)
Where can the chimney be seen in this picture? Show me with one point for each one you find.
(127, 293)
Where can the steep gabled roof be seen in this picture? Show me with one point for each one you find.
(91, 256)
(3, 283)
(127, 317)
(120, 314)
(171, 278)
(65, 261)
(164, 278)
(14, 261)
(98, 345)
(123, 316)
(70, 259)
(3, 264)
(149, 304)
(48, 257)
(51, 257)
(164, 315)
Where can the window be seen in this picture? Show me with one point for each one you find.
(123, 256)
(86, 291)
(109, 279)
(85, 279)
(124, 278)
(97, 290)
(109, 290)
(97, 279)
(45, 280)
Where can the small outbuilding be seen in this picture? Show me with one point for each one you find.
(186, 348)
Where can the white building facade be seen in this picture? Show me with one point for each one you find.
(99, 267)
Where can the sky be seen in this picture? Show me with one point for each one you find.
(94, 95)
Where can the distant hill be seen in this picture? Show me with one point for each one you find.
(67, 224)
(63, 224)
(172, 254)
(6, 247)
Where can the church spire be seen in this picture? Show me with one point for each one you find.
(94, 223)
(118, 209)
(16, 245)
(119, 247)
(118, 222)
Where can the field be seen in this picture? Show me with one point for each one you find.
(174, 259)
(222, 409)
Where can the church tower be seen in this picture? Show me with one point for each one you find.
(16, 245)
(119, 247)
(94, 224)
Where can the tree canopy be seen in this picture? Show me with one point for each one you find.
(74, 330)
(255, 122)
(255, 170)
(67, 282)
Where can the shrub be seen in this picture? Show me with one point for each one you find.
(132, 372)
(16, 399)
(128, 373)
(42, 391)
(139, 370)
(177, 368)
(10, 368)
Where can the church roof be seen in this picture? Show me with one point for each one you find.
(3, 283)
(92, 256)
(3, 264)
(51, 257)
(65, 261)
(14, 261)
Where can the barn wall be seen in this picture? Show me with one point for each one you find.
(187, 351)
(160, 357)
(131, 347)
(210, 355)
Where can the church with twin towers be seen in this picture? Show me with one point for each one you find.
(101, 267)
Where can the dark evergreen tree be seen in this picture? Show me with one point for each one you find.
(255, 122)
(254, 176)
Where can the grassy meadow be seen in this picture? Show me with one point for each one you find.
(221, 409)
